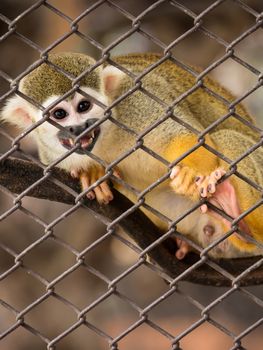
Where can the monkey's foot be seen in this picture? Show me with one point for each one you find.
(102, 192)
(223, 196)
(183, 249)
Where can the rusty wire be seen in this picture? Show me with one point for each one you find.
(112, 284)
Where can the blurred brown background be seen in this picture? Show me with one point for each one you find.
(112, 257)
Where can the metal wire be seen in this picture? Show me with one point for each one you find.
(112, 284)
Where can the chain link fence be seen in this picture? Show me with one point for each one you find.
(78, 275)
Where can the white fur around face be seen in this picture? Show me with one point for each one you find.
(21, 113)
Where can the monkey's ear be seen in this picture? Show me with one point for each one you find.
(111, 79)
(19, 112)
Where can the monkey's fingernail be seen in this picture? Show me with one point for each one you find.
(174, 172)
(202, 190)
(209, 187)
(203, 208)
(90, 195)
(180, 254)
(197, 178)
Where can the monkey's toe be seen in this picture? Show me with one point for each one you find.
(103, 193)
(183, 249)
(90, 195)
(206, 185)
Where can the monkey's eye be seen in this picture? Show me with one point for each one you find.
(83, 106)
(59, 113)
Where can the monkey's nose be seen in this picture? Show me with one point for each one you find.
(90, 122)
(78, 129)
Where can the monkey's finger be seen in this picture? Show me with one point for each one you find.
(203, 208)
(203, 191)
(207, 187)
(90, 195)
(211, 188)
(85, 183)
(100, 195)
(102, 191)
(218, 173)
(105, 188)
(213, 179)
(175, 171)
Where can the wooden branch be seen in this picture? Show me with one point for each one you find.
(17, 175)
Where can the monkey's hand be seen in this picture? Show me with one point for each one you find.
(102, 192)
(184, 181)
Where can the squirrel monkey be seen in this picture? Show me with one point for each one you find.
(195, 176)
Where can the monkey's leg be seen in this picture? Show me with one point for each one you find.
(183, 176)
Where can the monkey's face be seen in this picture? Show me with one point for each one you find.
(75, 115)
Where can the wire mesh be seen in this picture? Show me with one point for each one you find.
(49, 288)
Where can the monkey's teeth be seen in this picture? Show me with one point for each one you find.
(86, 142)
(71, 142)
(92, 134)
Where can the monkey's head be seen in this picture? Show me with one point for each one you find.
(45, 86)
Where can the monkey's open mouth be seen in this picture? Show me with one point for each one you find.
(87, 142)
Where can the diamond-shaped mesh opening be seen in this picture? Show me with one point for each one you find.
(108, 17)
(206, 336)
(153, 339)
(49, 248)
(252, 340)
(39, 318)
(233, 315)
(146, 280)
(92, 338)
(9, 48)
(20, 281)
(16, 238)
(169, 314)
(86, 287)
(219, 19)
(27, 336)
(186, 52)
(158, 27)
(115, 309)
(121, 255)
(78, 274)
